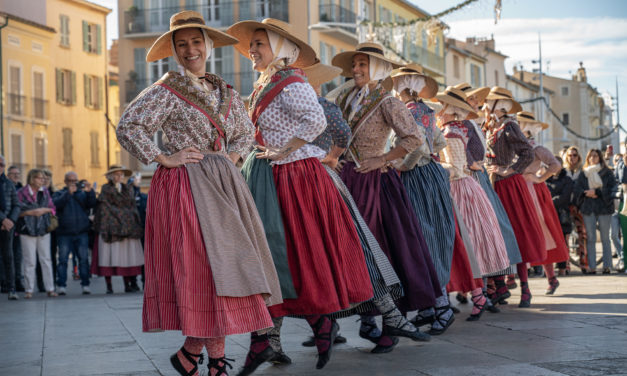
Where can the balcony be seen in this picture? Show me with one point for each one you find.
(152, 21)
(426, 58)
(134, 87)
(337, 22)
(39, 109)
(17, 104)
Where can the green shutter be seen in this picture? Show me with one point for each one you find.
(59, 79)
(100, 92)
(85, 36)
(98, 39)
(73, 83)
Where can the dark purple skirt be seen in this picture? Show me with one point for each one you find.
(384, 205)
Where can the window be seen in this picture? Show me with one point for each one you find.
(40, 151)
(67, 147)
(92, 38)
(158, 68)
(93, 91)
(496, 78)
(456, 66)
(16, 99)
(437, 45)
(475, 75)
(38, 96)
(16, 149)
(424, 39)
(64, 30)
(564, 91)
(66, 86)
(95, 149)
(566, 118)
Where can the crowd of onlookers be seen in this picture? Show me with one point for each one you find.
(42, 229)
(589, 196)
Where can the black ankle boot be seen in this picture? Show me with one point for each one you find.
(260, 352)
(327, 337)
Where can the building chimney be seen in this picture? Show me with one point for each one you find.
(581, 73)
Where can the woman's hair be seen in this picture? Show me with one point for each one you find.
(599, 154)
(559, 160)
(412, 93)
(32, 174)
(576, 166)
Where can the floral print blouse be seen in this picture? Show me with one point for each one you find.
(434, 139)
(508, 147)
(455, 160)
(337, 133)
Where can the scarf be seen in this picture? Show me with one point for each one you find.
(284, 52)
(413, 82)
(379, 70)
(592, 174)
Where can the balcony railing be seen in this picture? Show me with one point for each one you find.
(39, 109)
(219, 15)
(336, 13)
(426, 58)
(134, 87)
(17, 104)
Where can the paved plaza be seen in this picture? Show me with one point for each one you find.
(581, 330)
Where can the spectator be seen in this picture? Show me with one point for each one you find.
(572, 165)
(53, 236)
(118, 226)
(15, 176)
(595, 190)
(9, 212)
(73, 203)
(37, 208)
(561, 187)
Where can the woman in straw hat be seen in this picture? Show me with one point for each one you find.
(322, 249)
(372, 113)
(476, 148)
(427, 184)
(509, 154)
(119, 249)
(209, 272)
(543, 167)
(474, 206)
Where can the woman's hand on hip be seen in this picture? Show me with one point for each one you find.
(187, 155)
(272, 154)
(371, 164)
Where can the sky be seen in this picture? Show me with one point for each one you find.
(593, 32)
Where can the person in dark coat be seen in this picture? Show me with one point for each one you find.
(561, 187)
(595, 190)
(9, 212)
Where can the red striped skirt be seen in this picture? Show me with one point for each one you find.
(180, 293)
(560, 252)
(323, 249)
(461, 279)
(518, 204)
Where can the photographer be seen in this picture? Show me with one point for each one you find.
(73, 203)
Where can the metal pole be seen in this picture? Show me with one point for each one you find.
(6, 22)
(542, 108)
(617, 104)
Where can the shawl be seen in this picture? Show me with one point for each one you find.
(116, 215)
(592, 174)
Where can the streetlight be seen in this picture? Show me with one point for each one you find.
(4, 21)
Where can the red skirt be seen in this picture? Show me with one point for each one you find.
(518, 204)
(461, 273)
(559, 253)
(323, 249)
(180, 293)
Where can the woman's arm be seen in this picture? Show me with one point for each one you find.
(242, 136)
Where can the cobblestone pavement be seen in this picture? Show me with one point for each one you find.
(581, 330)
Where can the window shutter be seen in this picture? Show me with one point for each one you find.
(101, 88)
(98, 39)
(85, 36)
(73, 83)
(86, 89)
(59, 80)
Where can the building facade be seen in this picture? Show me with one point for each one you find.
(475, 61)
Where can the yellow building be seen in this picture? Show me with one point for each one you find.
(55, 68)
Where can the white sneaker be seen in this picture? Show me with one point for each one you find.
(61, 291)
(86, 290)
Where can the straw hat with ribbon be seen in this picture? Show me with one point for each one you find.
(162, 47)
(344, 60)
(116, 168)
(456, 98)
(319, 73)
(528, 117)
(481, 92)
(501, 93)
(244, 31)
(416, 70)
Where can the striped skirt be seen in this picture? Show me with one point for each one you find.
(180, 293)
(462, 278)
(522, 215)
(384, 205)
(429, 192)
(477, 213)
(560, 252)
(323, 248)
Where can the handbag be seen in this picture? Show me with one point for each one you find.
(53, 223)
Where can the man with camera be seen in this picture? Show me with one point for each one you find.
(73, 203)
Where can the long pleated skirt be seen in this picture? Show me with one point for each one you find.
(323, 248)
(513, 253)
(462, 278)
(483, 227)
(385, 207)
(429, 192)
(180, 293)
(560, 252)
(518, 204)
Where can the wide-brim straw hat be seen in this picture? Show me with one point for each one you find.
(456, 98)
(318, 73)
(498, 92)
(416, 69)
(162, 47)
(116, 168)
(528, 117)
(481, 92)
(344, 60)
(244, 31)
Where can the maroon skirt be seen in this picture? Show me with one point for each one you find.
(522, 214)
(560, 252)
(324, 252)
